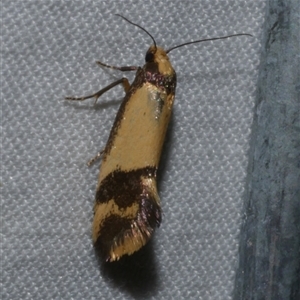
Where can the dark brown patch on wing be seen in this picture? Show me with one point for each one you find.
(124, 187)
(114, 228)
(164, 83)
(149, 212)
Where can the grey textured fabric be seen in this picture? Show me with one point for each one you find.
(48, 50)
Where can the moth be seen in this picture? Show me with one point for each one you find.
(127, 205)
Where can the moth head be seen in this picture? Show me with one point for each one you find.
(158, 56)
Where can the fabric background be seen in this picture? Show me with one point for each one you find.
(48, 51)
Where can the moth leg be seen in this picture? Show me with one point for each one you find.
(95, 158)
(123, 81)
(123, 69)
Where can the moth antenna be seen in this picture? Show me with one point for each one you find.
(138, 27)
(210, 39)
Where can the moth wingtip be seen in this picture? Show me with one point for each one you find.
(124, 244)
(130, 238)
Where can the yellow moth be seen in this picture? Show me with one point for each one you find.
(127, 206)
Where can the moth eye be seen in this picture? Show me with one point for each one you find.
(149, 57)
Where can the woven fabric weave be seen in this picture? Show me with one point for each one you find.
(48, 52)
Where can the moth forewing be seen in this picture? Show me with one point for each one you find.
(127, 207)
